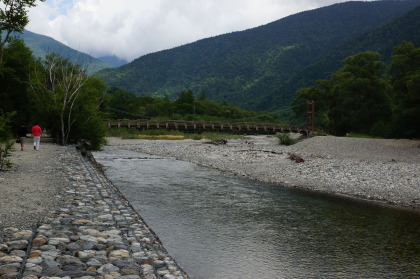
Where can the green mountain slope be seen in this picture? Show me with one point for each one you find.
(41, 45)
(245, 68)
(382, 40)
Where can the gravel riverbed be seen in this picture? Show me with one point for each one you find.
(381, 170)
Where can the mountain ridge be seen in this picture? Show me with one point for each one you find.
(41, 45)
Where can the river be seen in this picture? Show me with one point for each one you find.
(217, 225)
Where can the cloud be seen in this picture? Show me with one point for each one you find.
(131, 28)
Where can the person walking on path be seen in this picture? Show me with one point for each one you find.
(22, 135)
(37, 134)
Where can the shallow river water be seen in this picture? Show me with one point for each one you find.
(217, 225)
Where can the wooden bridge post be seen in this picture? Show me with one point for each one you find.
(310, 112)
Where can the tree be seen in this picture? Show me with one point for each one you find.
(13, 18)
(122, 104)
(185, 103)
(405, 80)
(68, 94)
(314, 93)
(6, 143)
(14, 84)
(356, 98)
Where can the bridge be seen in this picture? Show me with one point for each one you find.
(204, 126)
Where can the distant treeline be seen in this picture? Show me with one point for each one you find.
(121, 104)
(367, 96)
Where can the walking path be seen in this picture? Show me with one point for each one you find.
(75, 224)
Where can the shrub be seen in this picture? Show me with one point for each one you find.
(6, 143)
(285, 139)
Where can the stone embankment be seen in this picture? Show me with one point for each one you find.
(372, 169)
(87, 231)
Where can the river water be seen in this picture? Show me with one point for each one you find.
(217, 225)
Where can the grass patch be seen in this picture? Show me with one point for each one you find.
(163, 134)
(320, 133)
(219, 136)
(285, 139)
(362, 136)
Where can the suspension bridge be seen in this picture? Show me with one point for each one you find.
(232, 126)
(206, 126)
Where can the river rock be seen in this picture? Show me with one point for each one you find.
(32, 269)
(19, 253)
(3, 247)
(35, 260)
(39, 241)
(26, 234)
(107, 268)
(10, 259)
(94, 262)
(17, 244)
(9, 270)
(88, 242)
(119, 254)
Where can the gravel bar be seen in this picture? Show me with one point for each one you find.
(61, 218)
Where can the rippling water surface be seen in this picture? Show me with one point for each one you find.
(217, 225)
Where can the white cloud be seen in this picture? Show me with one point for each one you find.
(131, 28)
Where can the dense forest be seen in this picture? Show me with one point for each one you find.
(120, 104)
(252, 68)
(369, 97)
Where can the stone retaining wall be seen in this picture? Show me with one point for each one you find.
(95, 234)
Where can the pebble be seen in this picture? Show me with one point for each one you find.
(94, 235)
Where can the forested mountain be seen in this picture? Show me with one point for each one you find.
(42, 45)
(382, 40)
(249, 68)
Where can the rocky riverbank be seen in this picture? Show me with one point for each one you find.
(61, 218)
(373, 169)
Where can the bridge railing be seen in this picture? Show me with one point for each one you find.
(144, 124)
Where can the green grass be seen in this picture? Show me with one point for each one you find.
(362, 136)
(320, 133)
(285, 139)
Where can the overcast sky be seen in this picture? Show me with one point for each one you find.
(131, 28)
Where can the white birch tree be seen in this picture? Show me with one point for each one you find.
(60, 88)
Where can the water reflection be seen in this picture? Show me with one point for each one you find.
(217, 225)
